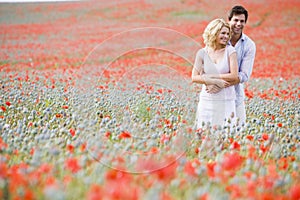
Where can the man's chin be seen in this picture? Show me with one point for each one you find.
(237, 32)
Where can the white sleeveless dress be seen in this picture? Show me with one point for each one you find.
(216, 109)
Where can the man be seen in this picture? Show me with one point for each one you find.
(246, 50)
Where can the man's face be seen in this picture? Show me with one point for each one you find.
(237, 23)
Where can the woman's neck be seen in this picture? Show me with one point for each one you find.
(218, 48)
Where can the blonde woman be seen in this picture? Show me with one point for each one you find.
(215, 67)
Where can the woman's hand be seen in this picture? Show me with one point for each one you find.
(220, 83)
(212, 89)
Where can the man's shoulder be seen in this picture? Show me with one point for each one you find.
(247, 39)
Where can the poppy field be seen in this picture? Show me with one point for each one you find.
(97, 102)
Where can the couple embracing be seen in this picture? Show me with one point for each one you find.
(222, 66)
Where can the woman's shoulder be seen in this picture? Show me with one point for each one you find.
(201, 52)
(230, 49)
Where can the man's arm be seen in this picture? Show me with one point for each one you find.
(245, 70)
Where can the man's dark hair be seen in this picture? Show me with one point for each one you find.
(238, 10)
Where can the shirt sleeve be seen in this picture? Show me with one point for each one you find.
(245, 70)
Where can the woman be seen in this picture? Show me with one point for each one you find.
(215, 66)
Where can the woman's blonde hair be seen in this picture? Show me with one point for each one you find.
(212, 30)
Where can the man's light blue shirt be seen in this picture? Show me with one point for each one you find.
(245, 49)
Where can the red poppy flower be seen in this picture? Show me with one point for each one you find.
(124, 135)
(232, 161)
(197, 150)
(191, 166)
(154, 150)
(263, 148)
(83, 147)
(95, 192)
(72, 131)
(211, 169)
(167, 173)
(250, 137)
(160, 91)
(273, 117)
(31, 151)
(3, 145)
(72, 165)
(107, 134)
(294, 192)
(265, 136)
(65, 107)
(70, 148)
(236, 145)
(3, 108)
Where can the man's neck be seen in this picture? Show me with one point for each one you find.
(235, 38)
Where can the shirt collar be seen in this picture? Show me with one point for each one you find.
(243, 37)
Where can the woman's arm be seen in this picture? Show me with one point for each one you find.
(198, 68)
(232, 76)
(198, 75)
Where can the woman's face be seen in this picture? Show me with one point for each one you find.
(223, 36)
